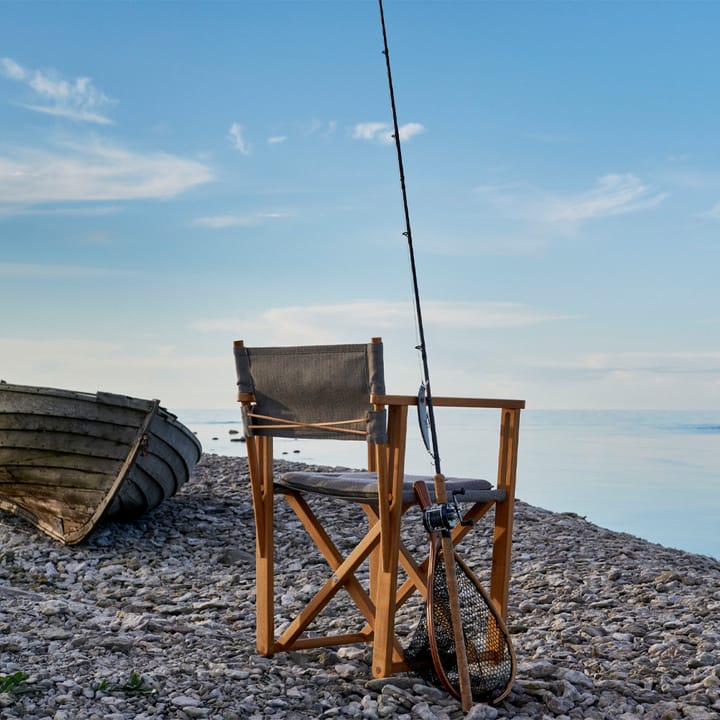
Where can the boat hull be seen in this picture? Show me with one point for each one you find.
(69, 459)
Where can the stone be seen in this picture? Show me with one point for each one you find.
(154, 620)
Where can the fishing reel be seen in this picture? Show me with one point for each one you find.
(445, 516)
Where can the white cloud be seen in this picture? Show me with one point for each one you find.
(276, 139)
(454, 331)
(51, 94)
(10, 69)
(613, 194)
(410, 130)
(71, 113)
(484, 315)
(713, 213)
(651, 362)
(88, 211)
(321, 128)
(369, 130)
(157, 370)
(236, 137)
(661, 380)
(94, 172)
(330, 323)
(223, 221)
(382, 132)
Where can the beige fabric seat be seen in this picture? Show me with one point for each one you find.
(338, 392)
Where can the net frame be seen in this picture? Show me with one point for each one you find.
(431, 651)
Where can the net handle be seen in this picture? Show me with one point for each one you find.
(440, 540)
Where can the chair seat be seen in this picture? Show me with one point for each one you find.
(362, 486)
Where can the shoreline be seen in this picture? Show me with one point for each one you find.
(606, 626)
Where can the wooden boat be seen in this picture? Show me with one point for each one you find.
(69, 459)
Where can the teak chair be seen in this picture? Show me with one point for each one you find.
(338, 391)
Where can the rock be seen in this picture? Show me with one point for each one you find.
(155, 620)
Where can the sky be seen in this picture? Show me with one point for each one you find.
(178, 175)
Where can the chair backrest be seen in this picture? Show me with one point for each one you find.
(312, 391)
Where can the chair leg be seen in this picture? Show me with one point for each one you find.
(505, 510)
(383, 641)
(387, 658)
(260, 463)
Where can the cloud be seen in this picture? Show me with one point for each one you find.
(410, 130)
(88, 211)
(651, 362)
(323, 129)
(276, 139)
(94, 171)
(713, 213)
(223, 221)
(330, 323)
(382, 132)
(155, 370)
(237, 138)
(613, 194)
(10, 69)
(454, 332)
(484, 315)
(51, 94)
(369, 130)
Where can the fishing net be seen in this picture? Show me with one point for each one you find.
(491, 661)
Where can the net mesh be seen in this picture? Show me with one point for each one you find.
(489, 654)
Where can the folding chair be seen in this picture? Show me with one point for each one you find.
(338, 392)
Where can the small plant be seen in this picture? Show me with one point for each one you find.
(9, 683)
(134, 686)
(14, 683)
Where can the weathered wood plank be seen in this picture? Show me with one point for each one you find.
(81, 426)
(55, 459)
(65, 443)
(67, 503)
(83, 407)
(54, 476)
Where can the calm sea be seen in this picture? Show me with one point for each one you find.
(654, 474)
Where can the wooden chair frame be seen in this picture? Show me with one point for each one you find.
(381, 544)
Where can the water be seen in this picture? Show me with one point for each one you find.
(654, 474)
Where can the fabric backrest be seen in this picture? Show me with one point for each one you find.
(313, 384)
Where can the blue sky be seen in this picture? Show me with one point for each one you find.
(174, 176)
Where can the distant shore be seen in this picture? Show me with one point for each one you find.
(155, 620)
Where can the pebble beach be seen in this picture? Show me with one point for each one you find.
(154, 620)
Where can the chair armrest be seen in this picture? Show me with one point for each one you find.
(445, 401)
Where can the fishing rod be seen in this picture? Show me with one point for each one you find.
(433, 514)
(469, 645)
(424, 394)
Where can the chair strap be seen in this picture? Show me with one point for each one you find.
(333, 426)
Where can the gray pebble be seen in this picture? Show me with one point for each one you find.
(154, 620)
